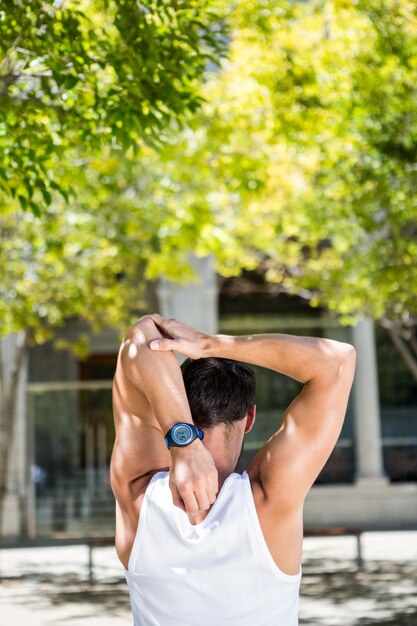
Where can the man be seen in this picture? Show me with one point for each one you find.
(201, 544)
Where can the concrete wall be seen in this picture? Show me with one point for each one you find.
(196, 303)
(48, 364)
(378, 506)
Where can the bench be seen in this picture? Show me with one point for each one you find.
(340, 532)
(92, 543)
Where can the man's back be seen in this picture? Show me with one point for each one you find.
(220, 570)
(214, 394)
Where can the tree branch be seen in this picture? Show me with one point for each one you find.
(404, 350)
(9, 79)
(14, 46)
(413, 341)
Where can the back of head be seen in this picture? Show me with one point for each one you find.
(219, 391)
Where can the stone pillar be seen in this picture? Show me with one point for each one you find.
(368, 444)
(14, 521)
(194, 303)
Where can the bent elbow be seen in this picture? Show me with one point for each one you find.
(346, 359)
(347, 352)
(139, 331)
(137, 337)
(340, 357)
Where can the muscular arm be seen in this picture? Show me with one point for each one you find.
(290, 461)
(148, 398)
(287, 466)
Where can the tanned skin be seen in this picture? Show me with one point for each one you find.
(149, 397)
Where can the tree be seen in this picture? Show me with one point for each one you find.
(86, 261)
(62, 266)
(78, 75)
(79, 81)
(302, 160)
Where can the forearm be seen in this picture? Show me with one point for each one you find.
(157, 375)
(301, 358)
(157, 383)
(292, 459)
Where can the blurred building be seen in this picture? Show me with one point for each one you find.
(59, 478)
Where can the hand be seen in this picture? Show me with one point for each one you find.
(184, 339)
(193, 478)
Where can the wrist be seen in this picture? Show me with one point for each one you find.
(218, 345)
(184, 451)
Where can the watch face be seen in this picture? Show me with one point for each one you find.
(182, 434)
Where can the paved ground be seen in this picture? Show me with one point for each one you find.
(47, 587)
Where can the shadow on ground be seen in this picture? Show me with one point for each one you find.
(383, 594)
(37, 590)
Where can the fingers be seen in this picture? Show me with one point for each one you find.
(195, 476)
(194, 498)
(176, 498)
(191, 503)
(213, 488)
(158, 319)
(186, 500)
(163, 345)
(207, 494)
(203, 499)
(166, 325)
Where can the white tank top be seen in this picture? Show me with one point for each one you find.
(216, 573)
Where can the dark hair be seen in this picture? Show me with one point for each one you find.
(219, 391)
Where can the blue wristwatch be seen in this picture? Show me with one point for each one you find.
(182, 434)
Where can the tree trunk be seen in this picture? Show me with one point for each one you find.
(405, 351)
(10, 374)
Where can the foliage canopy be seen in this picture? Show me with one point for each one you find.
(303, 159)
(79, 74)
